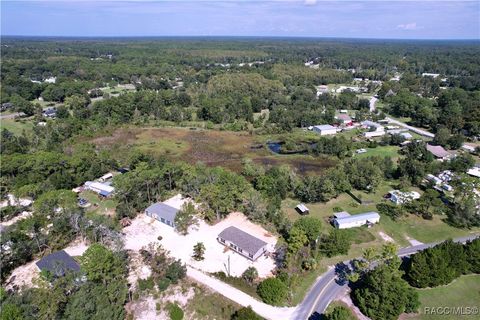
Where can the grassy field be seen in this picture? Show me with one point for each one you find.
(211, 147)
(463, 292)
(206, 305)
(98, 205)
(16, 126)
(384, 151)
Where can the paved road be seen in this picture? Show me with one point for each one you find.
(324, 295)
(421, 132)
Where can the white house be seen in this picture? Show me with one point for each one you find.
(474, 172)
(377, 129)
(343, 220)
(399, 197)
(325, 129)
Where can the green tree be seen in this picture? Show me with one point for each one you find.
(272, 291)
(102, 265)
(340, 313)
(185, 218)
(245, 313)
(250, 274)
(198, 251)
(311, 226)
(381, 294)
(337, 242)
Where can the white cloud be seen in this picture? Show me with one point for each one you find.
(409, 26)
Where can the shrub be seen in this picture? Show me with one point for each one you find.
(246, 314)
(163, 284)
(145, 284)
(272, 291)
(174, 311)
(250, 274)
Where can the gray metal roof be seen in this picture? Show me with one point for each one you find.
(342, 214)
(243, 240)
(162, 210)
(58, 263)
(359, 217)
(324, 127)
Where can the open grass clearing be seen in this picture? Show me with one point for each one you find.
(462, 292)
(17, 126)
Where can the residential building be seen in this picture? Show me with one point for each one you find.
(438, 152)
(346, 221)
(399, 197)
(50, 112)
(244, 243)
(102, 189)
(58, 264)
(344, 119)
(322, 90)
(474, 172)
(162, 212)
(325, 129)
(433, 75)
(375, 129)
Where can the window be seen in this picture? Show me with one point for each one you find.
(250, 255)
(240, 250)
(163, 220)
(221, 240)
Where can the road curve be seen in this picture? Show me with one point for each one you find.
(326, 295)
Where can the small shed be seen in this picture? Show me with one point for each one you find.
(58, 263)
(302, 209)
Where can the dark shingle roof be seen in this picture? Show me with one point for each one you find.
(162, 210)
(58, 263)
(243, 240)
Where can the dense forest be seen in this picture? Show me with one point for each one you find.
(260, 87)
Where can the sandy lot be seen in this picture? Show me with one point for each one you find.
(28, 274)
(145, 230)
(21, 216)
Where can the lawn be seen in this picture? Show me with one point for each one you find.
(98, 205)
(207, 305)
(16, 126)
(463, 292)
(384, 151)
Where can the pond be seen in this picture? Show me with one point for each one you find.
(276, 147)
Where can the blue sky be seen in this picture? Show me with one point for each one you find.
(350, 19)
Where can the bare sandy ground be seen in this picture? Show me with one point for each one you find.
(28, 274)
(385, 237)
(145, 230)
(21, 216)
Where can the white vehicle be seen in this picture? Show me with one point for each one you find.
(360, 151)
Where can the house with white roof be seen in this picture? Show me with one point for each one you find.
(375, 129)
(325, 129)
(399, 197)
(343, 220)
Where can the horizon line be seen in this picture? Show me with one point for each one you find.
(232, 36)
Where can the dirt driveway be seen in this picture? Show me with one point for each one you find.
(145, 230)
